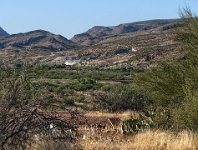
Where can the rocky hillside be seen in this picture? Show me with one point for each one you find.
(3, 32)
(37, 40)
(100, 33)
(139, 44)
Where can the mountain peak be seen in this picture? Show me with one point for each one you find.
(39, 31)
(38, 39)
(3, 32)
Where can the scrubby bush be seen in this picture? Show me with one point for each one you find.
(22, 115)
(48, 101)
(69, 101)
(120, 98)
(87, 81)
(84, 84)
(172, 86)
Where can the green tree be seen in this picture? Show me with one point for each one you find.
(172, 86)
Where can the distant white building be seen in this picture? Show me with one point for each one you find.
(70, 60)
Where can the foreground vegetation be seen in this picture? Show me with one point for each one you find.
(172, 86)
(148, 140)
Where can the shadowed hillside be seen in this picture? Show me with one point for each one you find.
(3, 32)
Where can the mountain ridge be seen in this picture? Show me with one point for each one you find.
(37, 39)
(101, 46)
(101, 32)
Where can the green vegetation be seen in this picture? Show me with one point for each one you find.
(62, 87)
(172, 87)
(23, 114)
(137, 124)
(169, 91)
(60, 72)
(165, 96)
(120, 98)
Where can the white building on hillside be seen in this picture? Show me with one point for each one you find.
(70, 60)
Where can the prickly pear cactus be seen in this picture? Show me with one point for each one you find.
(137, 125)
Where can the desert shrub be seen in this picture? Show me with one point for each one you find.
(87, 81)
(48, 101)
(172, 86)
(69, 101)
(164, 84)
(83, 84)
(107, 87)
(120, 98)
(172, 89)
(63, 90)
(21, 112)
(18, 66)
(186, 115)
(79, 97)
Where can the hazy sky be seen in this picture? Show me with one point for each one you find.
(69, 17)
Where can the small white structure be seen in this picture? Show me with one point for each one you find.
(51, 126)
(71, 62)
(134, 49)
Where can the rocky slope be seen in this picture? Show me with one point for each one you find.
(139, 44)
(3, 32)
(100, 33)
(37, 40)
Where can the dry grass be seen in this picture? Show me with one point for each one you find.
(166, 140)
(149, 140)
(122, 116)
(110, 139)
